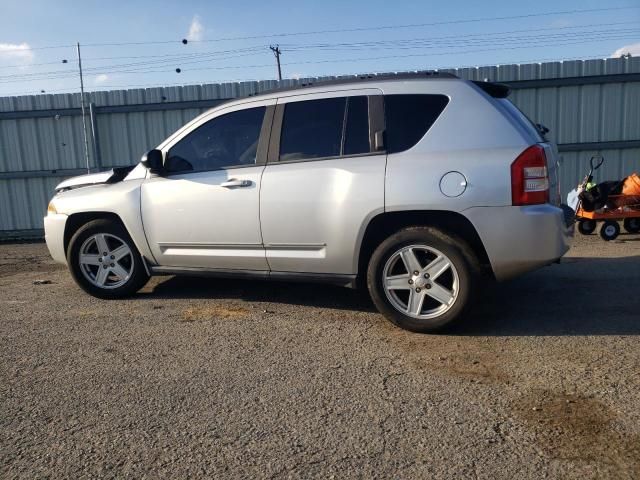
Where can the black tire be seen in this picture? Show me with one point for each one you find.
(138, 276)
(609, 230)
(459, 255)
(587, 227)
(632, 225)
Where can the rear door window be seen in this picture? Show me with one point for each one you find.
(356, 138)
(409, 117)
(329, 127)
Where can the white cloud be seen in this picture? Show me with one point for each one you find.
(103, 77)
(297, 76)
(196, 29)
(633, 49)
(20, 51)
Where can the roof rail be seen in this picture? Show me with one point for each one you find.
(360, 78)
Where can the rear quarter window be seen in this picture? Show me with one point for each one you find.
(409, 117)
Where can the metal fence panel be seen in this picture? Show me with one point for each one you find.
(568, 123)
(24, 202)
(48, 136)
(618, 164)
(631, 102)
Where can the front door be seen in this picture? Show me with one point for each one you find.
(203, 211)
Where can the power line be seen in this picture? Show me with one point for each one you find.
(351, 30)
(314, 62)
(104, 68)
(354, 59)
(348, 60)
(471, 38)
(289, 47)
(26, 65)
(192, 54)
(47, 47)
(388, 27)
(426, 54)
(420, 67)
(132, 85)
(151, 66)
(439, 43)
(171, 59)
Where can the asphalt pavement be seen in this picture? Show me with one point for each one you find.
(213, 378)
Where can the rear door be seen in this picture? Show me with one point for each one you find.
(323, 182)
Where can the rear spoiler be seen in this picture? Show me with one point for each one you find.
(496, 90)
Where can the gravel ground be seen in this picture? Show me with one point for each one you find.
(229, 379)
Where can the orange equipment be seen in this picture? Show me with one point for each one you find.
(624, 207)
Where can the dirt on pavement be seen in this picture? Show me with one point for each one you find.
(237, 379)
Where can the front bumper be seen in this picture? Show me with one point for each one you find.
(54, 236)
(521, 239)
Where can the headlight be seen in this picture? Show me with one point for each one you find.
(51, 209)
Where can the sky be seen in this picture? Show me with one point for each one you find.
(130, 44)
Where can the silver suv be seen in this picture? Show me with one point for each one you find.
(419, 186)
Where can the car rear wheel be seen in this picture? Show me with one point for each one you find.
(104, 261)
(422, 279)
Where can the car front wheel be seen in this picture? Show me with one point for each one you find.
(104, 261)
(422, 279)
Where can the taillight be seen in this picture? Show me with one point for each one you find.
(529, 177)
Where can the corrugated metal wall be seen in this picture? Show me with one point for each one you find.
(587, 107)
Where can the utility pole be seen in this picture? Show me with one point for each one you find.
(276, 51)
(84, 120)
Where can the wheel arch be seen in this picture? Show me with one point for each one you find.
(77, 220)
(385, 224)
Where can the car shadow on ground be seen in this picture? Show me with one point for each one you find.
(582, 296)
(307, 294)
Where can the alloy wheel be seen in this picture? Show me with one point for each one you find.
(420, 281)
(106, 260)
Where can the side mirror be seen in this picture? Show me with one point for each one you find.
(153, 161)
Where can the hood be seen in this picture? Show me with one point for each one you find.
(111, 176)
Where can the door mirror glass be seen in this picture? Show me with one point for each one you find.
(153, 161)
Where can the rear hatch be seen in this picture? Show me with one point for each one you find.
(536, 134)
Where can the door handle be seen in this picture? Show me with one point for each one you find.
(234, 182)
